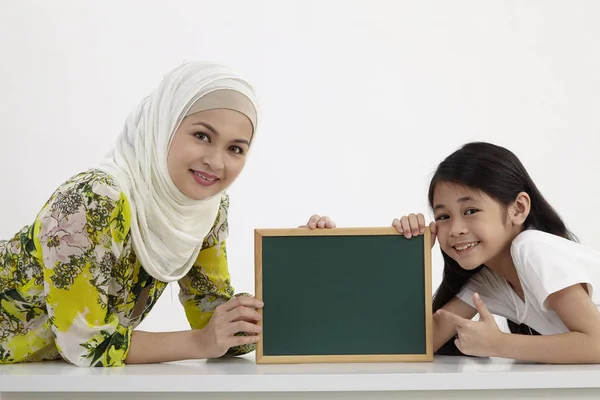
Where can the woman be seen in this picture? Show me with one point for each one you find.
(76, 282)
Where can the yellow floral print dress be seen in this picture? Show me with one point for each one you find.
(72, 287)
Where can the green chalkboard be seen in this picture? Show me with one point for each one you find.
(343, 295)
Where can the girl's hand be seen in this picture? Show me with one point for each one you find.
(316, 221)
(414, 225)
(237, 315)
(477, 338)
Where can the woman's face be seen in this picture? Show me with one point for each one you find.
(208, 152)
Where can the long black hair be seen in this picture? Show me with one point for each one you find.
(498, 173)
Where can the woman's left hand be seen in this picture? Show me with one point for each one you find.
(318, 222)
(476, 338)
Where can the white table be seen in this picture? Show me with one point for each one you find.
(446, 377)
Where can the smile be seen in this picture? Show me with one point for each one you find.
(464, 246)
(204, 178)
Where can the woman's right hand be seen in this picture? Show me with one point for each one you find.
(219, 335)
(414, 225)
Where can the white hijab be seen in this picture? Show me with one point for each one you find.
(167, 227)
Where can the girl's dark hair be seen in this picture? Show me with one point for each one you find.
(498, 173)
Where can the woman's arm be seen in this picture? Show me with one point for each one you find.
(212, 341)
(207, 288)
(79, 237)
(154, 347)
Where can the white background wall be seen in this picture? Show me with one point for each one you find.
(360, 101)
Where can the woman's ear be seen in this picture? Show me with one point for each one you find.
(519, 210)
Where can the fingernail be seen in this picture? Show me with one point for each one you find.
(422, 230)
(477, 296)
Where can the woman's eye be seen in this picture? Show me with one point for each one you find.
(471, 211)
(236, 149)
(442, 217)
(202, 136)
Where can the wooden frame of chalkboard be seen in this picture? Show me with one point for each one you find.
(420, 244)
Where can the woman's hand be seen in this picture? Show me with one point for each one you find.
(414, 225)
(318, 222)
(237, 315)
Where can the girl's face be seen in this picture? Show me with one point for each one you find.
(473, 228)
(208, 152)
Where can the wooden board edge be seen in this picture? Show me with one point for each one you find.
(428, 293)
(262, 359)
(258, 293)
(367, 358)
(328, 232)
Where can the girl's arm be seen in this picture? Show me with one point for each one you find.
(444, 329)
(581, 345)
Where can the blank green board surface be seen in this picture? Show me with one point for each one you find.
(343, 295)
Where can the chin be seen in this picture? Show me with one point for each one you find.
(197, 192)
(206, 193)
(469, 266)
(202, 196)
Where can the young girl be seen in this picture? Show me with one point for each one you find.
(507, 252)
(78, 280)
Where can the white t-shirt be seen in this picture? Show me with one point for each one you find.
(545, 264)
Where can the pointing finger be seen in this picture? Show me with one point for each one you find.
(455, 319)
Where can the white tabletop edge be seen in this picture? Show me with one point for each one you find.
(455, 373)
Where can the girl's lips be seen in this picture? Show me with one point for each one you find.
(465, 248)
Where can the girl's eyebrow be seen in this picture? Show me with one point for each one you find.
(460, 200)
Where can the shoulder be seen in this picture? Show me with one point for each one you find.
(533, 237)
(537, 246)
(91, 198)
(88, 184)
(220, 229)
(548, 263)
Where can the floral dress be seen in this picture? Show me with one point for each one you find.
(71, 286)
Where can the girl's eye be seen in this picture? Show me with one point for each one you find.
(202, 136)
(471, 211)
(236, 150)
(442, 217)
